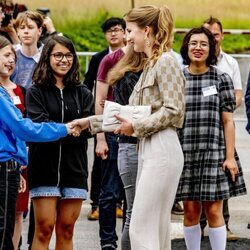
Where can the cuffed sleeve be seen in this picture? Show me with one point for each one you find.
(95, 124)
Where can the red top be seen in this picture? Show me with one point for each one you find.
(18, 92)
(106, 64)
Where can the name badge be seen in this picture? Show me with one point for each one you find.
(16, 100)
(211, 90)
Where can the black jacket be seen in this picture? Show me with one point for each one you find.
(60, 163)
(91, 75)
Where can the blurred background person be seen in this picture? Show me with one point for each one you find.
(111, 28)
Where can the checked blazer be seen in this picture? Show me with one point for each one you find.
(162, 87)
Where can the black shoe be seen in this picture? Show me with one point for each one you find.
(177, 209)
(248, 226)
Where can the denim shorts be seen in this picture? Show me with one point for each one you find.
(63, 193)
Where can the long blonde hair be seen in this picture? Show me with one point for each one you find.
(160, 20)
(131, 62)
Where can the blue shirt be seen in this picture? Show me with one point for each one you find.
(25, 66)
(15, 130)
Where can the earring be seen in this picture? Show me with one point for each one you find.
(147, 42)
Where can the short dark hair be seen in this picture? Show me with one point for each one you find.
(113, 21)
(212, 59)
(43, 74)
(212, 20)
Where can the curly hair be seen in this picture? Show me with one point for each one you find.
(160, 20)
(212, 59)
(43, 73)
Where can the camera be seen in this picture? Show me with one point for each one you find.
(44, 11)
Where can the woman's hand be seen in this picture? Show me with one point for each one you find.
(73, 129)
(82, 123)
(231, 166)
(125, 128)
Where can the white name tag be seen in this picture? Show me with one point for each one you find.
(16, 100)
(211, 90)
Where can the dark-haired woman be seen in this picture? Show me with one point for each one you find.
(57, 170)
(14, 131)
(212, 170)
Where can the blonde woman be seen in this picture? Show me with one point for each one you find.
(161, 85)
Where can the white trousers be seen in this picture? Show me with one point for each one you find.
(159, 169)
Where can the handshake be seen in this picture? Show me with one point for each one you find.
(116, 118)
(77, 126)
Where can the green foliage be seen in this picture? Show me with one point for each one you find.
(236, 43)
(87, 35)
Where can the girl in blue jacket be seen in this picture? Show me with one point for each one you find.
(14, 131)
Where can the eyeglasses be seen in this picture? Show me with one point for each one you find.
(59, 56)
(202, 45)
(116, 30)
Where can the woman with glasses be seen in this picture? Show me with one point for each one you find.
(57, 170)
(14, 131)
(212, 170)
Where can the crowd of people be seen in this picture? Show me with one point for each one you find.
(48, 114)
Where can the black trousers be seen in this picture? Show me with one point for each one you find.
(9, 184)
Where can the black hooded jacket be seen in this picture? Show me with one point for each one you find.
(60, 163)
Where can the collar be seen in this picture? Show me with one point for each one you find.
(35, 57)
(221, 54)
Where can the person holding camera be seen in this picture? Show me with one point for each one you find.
(10, 10)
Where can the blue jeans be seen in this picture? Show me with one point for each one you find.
(111, 187)
(60, 192)
(127, 166)
(9, 184)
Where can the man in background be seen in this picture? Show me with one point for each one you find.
(113, 29)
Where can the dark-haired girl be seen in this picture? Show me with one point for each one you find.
(212, 170)
(57, 170)
(14, 131)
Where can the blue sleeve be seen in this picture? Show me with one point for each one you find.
(23, 128)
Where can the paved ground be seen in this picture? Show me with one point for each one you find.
(86, 232)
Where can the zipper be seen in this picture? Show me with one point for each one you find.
(60, 145)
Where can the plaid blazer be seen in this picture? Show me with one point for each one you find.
(162, 86)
